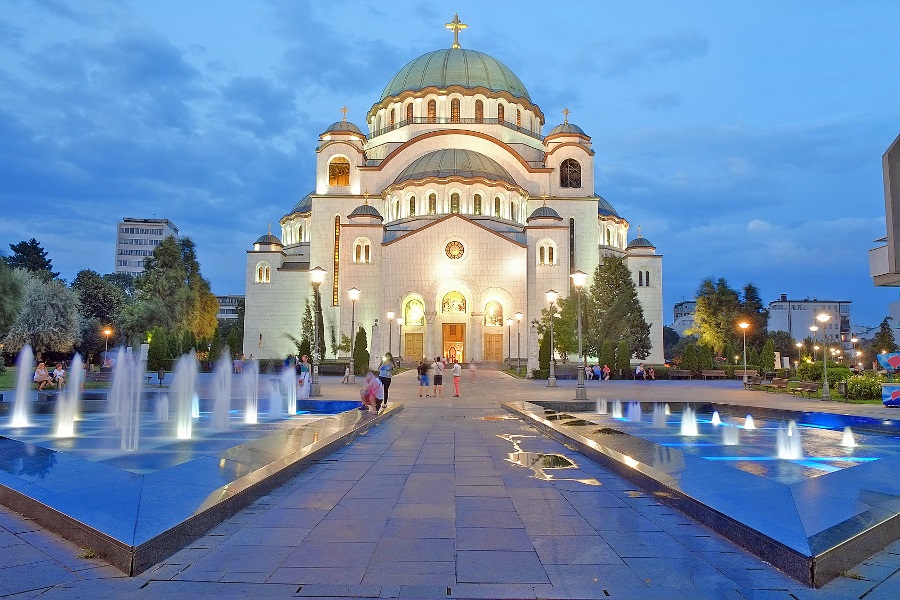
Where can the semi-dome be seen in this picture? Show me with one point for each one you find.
(640, 242)
(455, 66)
(452, 162)
(269, 239)
(605, 209)
(544, 212)
(566, 127)
(304, 205)
(365, 210)
(343, 126)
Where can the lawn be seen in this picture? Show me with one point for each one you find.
(8, 379)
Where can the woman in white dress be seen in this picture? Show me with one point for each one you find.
(305, 373)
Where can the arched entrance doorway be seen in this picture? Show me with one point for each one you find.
(453, 327)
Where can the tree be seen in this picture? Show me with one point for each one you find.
(361, 352)
(756, 314)
(767, 356)
(320, 325)
(100, 303)
(689, 360)
(544, 352)
(306, 327)
(608, 355)
(31, 256)
(215, 347)
(716, 314)
(344, 346)
(728, 354)
(158, 352)
(670, 339)
(884, 339)
(705, 357)
(783, 342)
(124, 282)
(48, 319)
(623, 358)
(10, 297)
(613, 311)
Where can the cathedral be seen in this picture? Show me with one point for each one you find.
(448, 219)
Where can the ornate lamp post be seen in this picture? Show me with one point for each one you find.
(799, 346)
(578, 278)
(815, 330)
(354, 296)
(509, 323)
(519, 316)
(390, 316)
(826, 394)
(744, 325)
(107, 332)
(317, 276)
(552, 295)
(400, 322)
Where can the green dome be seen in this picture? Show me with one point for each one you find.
(451, 162)
(455, 66)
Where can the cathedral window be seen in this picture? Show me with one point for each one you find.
(392, 117)
(479, 111)
(546, 252)
(493, 314)
(409, 112)
(477, 204)
(362, 251)
(646, 278)
(432, 204)
(640, 279)
(414, 313)
(497, 206)
(570, 174)
(339, 171)
(454, 202)
(298, 236)
(263, 272)
(518, 118)
(608, 238)
(501, 113)
(412, 206)
(454, 110)
(432, 111)
(453, 302)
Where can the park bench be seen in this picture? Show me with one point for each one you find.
(753, 382)
(806, 387)
(739, 373)
(777, 384)
(713, 374)
(103, 376)
(679, 374)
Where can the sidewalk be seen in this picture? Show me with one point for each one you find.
(429, 505)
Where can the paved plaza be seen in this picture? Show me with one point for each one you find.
(428, 505)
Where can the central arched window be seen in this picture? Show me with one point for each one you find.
(339, 171)
(501, 113)
(497, 206)
(432, 111)
(454, 110)
(362, 251)
(476, 208)
(409, 112)
(493, 314)
(479, 111)
(546, 252)
(263, 272)
(412, 206)
(454, 202)
(392, 117)
(570, 174)
(432, 204)
(414, 313)
(453, 302)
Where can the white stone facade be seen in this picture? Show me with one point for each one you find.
(449, 216)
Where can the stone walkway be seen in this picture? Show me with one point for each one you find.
(429, 505)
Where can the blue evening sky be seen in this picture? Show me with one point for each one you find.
(744, 137)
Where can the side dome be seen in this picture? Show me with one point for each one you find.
(304, 205)
(364, 210)
(455, 66)
(467, 164)
(605, 209)
(640, 242)
(269, 239)
(566, 127)
(544, 212)
(343, 126)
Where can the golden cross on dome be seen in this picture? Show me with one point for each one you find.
(366, 194)
(639, 231)
(544, 196)
(566, 114)
(345, 110)
(270, 228)
(456, 25)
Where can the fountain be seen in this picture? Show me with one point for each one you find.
(22, 402)
(668, 410)
(617, 409)
(730, 433)
(276, 400)
(221, 393)
(634, 412)
(659, 416)
(749, 423)
(716, 419)
(162, 409)
(289, 381)
(788, 443)
(69, 400)
(848, 441)
(251, 392)
(184, 399)
(125, 394)
(601, 406)
(689, 422)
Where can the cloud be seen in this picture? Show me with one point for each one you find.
(653, 51)
(259, 106)
(660, 101)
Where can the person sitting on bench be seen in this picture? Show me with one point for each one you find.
(42, 377)
(59, 375)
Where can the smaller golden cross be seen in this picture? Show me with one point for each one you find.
(456, 25)
(566, 113)
(366, 194)
(345, 110)
(270, 228)
(639, 231)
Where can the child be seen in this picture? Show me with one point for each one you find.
(59, 375)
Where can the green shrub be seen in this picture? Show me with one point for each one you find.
(813, 372)
(540, 373)
(866, 386)
(661, 372)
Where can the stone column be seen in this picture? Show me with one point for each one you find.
(375, 348)
(475, 339)
(532, 350)
(433, 335)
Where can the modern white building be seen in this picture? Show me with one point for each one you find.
(453, 210)
(683, 316)
(884, 260)
(228, 307)
(797, 316)
(136, 239)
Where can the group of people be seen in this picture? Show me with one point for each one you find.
(647, 374)
(438, 367)
(374, 394)
(42, 378)
(597, 372)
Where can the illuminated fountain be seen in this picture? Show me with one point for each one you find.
(69, 400)
(22, 401)
(184, 399)
(162, 409)
(634, 412)
(125, 394)
(617, 409)
(716, 419)
(749, 423)
(250, 380)
(659, 416)
(788, 443)
(847, 440)
(221, 408)
(689, 422)
(601, 406)
(289, 381)
(730, 433)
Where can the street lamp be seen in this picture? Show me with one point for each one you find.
(400, 322)
(578, 278)
(799, 346)
(815, 331)
(509, 323)
(107, 332)
(519, 316)
(826, 395)
(390, 316)
(317, 276)
(354, 296)
(552, 295)
(744, 325)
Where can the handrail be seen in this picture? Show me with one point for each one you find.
(452, 121)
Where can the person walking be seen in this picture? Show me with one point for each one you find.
(305, 372)
(346, 378)
(438, 367)
(385, 372)
(457, 373)
(472, 369)
(422, 371)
